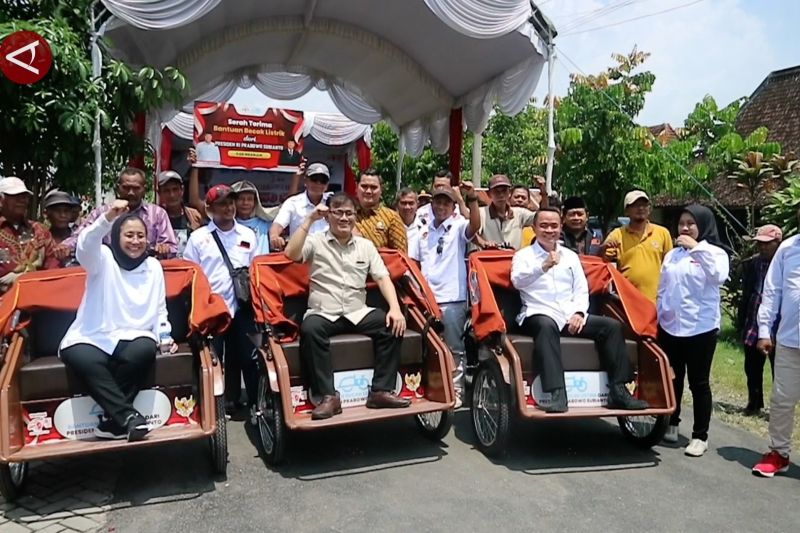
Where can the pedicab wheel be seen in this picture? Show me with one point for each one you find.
(271, 427)
(490, 409)
(644, 431)
(436, 425)
(219, 440)
(12, 480)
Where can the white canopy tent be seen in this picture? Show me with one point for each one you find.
(410, 62)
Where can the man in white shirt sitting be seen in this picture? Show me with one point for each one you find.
(555, 302)
(440, 251)
(296, 208)
(235, 346)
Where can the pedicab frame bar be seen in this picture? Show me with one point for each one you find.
(276, 277)
(62, 290)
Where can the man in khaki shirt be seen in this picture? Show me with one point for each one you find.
(501, 224)
(338, 266)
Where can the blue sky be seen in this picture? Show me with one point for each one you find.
(724, 48)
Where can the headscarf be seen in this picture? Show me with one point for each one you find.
(248, 186)
(125, 261)
(706, 226)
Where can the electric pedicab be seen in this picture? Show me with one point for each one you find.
(505, 385)
(46, 413)
(280, 295)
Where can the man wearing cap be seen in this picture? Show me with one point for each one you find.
(423, 198)
(296, 208)
(752, 272)
(131, 186)
(577, 235)
(184, 219)
(59, 208)
(442, 180)
(502, 224)
(375, 221)
(639, 247)
(234, 346)
(440, 252)
(25, 245)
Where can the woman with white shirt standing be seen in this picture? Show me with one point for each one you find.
(112, 343)
(688, 306)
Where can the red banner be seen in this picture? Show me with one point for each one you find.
(226, 138)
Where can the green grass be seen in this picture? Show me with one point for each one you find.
(729, 386)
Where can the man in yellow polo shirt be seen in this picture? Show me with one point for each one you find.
(640, 246)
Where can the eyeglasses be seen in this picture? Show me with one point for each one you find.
(318, 178)
(341, 213)
(440, 247)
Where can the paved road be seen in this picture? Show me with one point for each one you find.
(576, 476)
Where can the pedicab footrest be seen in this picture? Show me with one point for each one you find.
(47, 377)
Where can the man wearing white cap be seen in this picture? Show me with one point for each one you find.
(296, 208)
(25, 245)
(640, 246)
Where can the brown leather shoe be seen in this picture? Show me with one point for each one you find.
(386, 400)
(331, 405)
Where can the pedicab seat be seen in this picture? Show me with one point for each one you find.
(349, 351)
(576, 354)
(46, 377)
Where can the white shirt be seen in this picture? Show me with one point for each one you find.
(688, 290)
(208, 153)
(295, 209)
(239, 242)
(118, 304)
(558, 293)
(445, 270)
(412, 233)
(781, 293)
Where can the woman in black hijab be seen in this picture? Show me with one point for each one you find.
(688, 306)
(112, 343)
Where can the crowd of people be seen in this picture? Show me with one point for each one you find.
(338, 236)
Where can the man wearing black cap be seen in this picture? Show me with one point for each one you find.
(501, 224)
(296, 208)
(59, 207)
(577, 235)
(184, 219)
(205, 247)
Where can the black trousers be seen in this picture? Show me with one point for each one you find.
(238, 353)
(113, 380)
(754, 370)
(692, 356)
(315, 348)
(605, 332)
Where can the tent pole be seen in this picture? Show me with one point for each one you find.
(97, 65)
(551, 142)
(401, 154)
(477, 159)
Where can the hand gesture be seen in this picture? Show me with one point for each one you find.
(467, 187)
(277, 243)
(117, 208)
(162, 249)
(764, 346)
(62, 253)
(540, 183)
(552, 260)
(576, 323)
(684, 241)
(301, 168)
(396, 322)
(191, 157)
(319, 212)
(611, 246)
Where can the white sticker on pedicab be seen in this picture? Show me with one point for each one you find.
(353, 386)
(76, 418)
(584, 389)
(299, 395)
(39, 424)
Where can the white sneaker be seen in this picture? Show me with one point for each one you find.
(696, 448)
(671, 435)
(459, 401)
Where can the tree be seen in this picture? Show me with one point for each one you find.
(47, 128)
(516, 146)
(602, 153)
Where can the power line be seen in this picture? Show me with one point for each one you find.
(634, 18)
(579, 18)
(668, 154)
